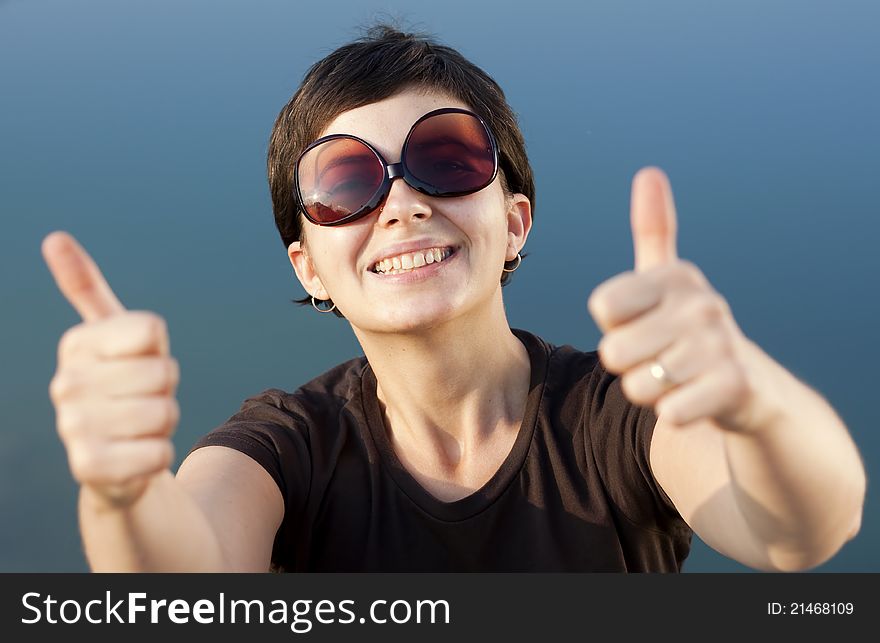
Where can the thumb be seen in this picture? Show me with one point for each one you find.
(653, 221)
(79, 278)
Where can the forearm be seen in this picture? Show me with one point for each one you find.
(163, 531)
(797, 475)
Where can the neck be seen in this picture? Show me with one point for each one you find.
(453, 388)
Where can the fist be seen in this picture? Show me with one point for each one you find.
(115, 384)
(669, 335)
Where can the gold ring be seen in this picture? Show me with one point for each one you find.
(659, 373)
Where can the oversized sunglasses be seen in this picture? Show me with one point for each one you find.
(448, 152)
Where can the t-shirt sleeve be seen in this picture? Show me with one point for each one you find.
(277, 439)
(620, 434)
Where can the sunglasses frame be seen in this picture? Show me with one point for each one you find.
(397, 170)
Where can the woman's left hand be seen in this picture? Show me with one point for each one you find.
(667, 332)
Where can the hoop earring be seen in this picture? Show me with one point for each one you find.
(322, 310)
(518, 261)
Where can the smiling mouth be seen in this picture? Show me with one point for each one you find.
(411, 261)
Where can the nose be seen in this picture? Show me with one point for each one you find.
(403, 204)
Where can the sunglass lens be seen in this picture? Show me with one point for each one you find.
(337, 178)
(450, 154)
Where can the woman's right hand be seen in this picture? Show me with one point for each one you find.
(114, 388)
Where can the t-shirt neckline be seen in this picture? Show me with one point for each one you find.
(486, 495)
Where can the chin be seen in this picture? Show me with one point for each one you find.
(410, 318)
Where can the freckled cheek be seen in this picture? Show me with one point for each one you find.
(344, 270)
(472, 227)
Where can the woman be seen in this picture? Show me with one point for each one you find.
(403, 195)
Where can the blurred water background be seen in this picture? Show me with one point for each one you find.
(141, 128)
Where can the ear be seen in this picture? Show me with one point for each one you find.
(305, 270)
(519, 223)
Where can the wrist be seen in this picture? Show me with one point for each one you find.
(119, 498)
(760, 407)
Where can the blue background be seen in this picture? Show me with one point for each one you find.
(141, 127)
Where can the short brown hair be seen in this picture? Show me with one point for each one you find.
(379, 65)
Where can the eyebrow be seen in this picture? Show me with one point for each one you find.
(440, 141)
(341, 160)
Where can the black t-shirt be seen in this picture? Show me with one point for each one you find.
(575, 493)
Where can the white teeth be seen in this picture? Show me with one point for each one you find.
(411, 261)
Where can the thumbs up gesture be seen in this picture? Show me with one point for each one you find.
(667, 332)
(114, 388)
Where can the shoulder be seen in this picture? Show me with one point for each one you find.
(282, 430)
(275, 421)
(326, 393)
(569, 370)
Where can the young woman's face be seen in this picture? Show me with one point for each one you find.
(480, 230)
